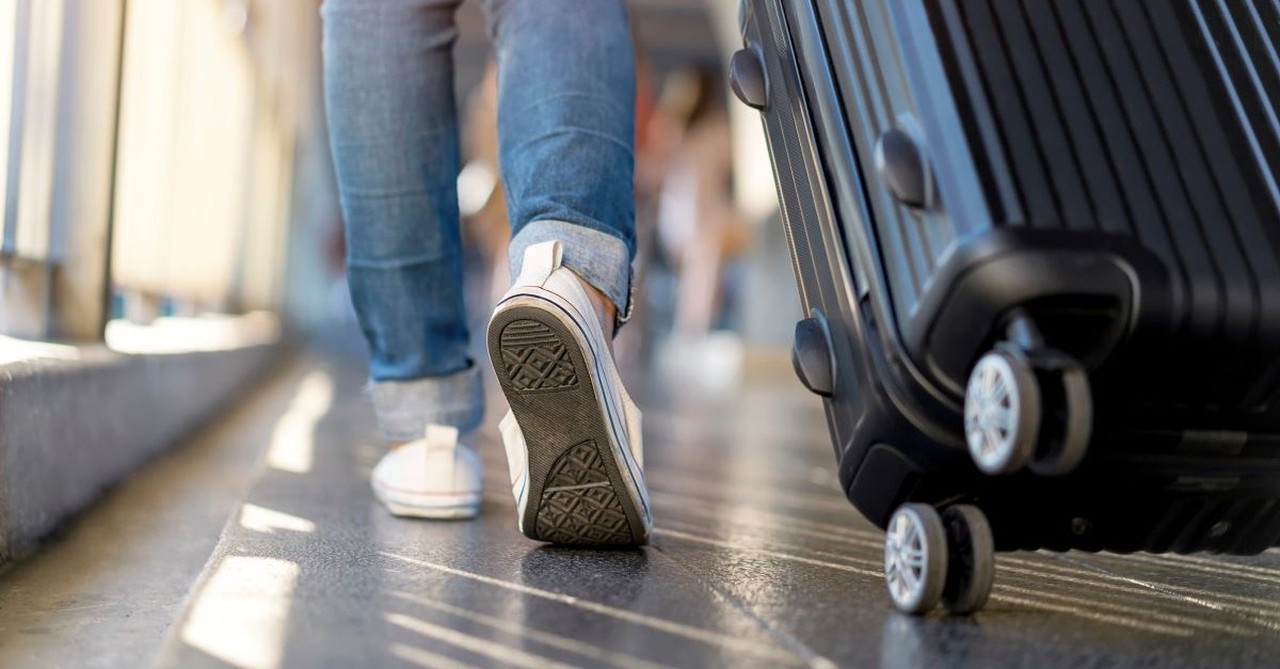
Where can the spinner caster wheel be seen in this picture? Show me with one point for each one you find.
(971, 563)
(915, 558)
(1067, 419)
(1001, 412)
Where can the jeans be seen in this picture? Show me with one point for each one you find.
(566, 117)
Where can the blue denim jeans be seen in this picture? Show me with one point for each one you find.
(566, 108)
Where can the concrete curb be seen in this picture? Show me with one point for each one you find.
(71, 428)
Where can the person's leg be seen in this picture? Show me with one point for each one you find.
(393, 129)
(566, 81)
(566, 118)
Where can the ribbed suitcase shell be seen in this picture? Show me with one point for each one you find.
(1151, 119)
(1147, 127)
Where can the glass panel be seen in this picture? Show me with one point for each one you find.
(144, 172)
(185, 156)
(9, 47)
(212, 161)
(39, 129)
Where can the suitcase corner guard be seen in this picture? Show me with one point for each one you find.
(747, 78)
(811, 355)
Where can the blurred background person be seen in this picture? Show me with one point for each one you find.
(700, 231)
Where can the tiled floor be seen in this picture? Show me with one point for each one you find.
(757, 561)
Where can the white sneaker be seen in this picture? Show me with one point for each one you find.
(573, 435)
(431, 477)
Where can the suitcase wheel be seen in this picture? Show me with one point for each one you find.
(1002, 412)
(971, 564)
(1067, 415)
(1029, 408)
(915, 558)
(931, 558)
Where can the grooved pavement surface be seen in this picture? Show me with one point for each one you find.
(757, 561)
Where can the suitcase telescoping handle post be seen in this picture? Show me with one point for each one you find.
(1023, 331)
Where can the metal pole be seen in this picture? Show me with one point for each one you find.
(108, 238)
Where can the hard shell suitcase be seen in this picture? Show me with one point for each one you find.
(1038, 243)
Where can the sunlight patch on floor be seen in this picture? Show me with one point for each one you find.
(292, 441)
(240, 615)
(267, 521)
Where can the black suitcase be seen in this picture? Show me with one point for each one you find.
(1038, 242)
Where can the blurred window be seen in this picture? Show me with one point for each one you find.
(185, 144)
(28, 113)
(147, 151)
(205, 151)
(8, 33)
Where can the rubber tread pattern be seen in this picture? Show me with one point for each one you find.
(579, 506)
(577, 495)
(535, 359)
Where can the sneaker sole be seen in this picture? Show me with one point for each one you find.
(576, 494)
(461, 512)
(434, 507)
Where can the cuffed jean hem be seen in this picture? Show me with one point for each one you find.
(601, 259)
(405, 408)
